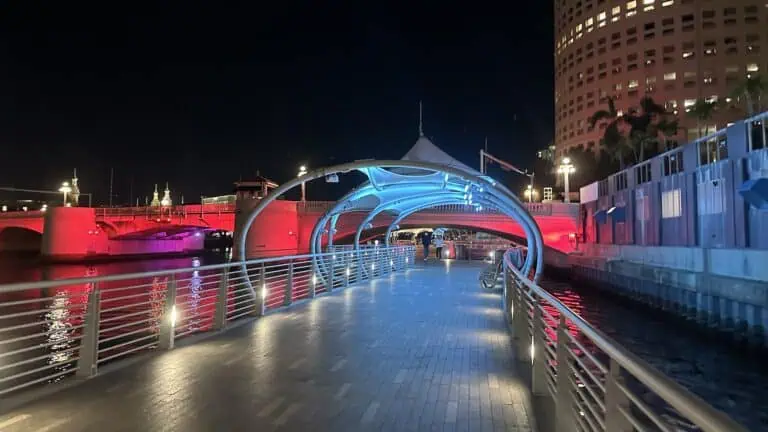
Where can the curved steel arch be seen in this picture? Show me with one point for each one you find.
(508, 202)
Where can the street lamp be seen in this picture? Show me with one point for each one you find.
(302, 172)
(566, 168)
(530, 193)
(65, 189)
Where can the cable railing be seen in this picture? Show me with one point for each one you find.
(53, 330)
(596, 384)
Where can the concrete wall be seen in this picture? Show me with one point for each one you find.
(725, 289)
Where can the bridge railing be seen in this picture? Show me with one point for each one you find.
(594, 382)
(52, 330)
(180, 210)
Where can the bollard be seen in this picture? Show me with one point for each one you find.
(220, 319)
(87, 364)
(167, 334)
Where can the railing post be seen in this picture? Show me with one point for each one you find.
(347, 268)
(87, 364)
(520, 319)
(360, 265)
(332, 276)
(220, 320)
(261, 292)
(615, 401)
(539, 375)
(564, 400)
(167, 334)
(288, 294)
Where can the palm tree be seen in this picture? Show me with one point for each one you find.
(647, 125)
(612, 142)
(752, 89)
(702, 111)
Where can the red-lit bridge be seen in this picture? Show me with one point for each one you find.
(285, 227)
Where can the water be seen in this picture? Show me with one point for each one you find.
(730, 379)
(41, 329)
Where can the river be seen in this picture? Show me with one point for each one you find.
(730, 378)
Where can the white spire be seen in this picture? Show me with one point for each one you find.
(421, 121)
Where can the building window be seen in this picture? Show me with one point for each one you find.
(752, 67)
(670, 76)
(688, 104)
(671, 204)
(632, 84)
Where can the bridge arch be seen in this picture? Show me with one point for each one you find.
(20, 239)
(393, 183)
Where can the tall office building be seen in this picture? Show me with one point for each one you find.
(676, 51)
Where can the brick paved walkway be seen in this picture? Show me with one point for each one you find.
(422, 350)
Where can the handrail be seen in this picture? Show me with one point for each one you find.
(82, 323)
(686, 403)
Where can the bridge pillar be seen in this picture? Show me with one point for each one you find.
(69, 232)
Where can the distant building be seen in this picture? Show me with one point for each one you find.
(675, 51)
(257, 188)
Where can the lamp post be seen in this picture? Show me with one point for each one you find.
(566, 168)
(65, 189)
(530, 193)
(303, 171)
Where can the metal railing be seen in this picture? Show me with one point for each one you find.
(56, 329)
(596, 384)
(180, 210)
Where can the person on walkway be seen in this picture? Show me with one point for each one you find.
(426, 239)
(439, 247)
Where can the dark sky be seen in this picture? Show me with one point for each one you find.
(199, 96)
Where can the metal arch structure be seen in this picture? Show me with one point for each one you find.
(402, 186)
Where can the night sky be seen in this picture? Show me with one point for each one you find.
(203, 96)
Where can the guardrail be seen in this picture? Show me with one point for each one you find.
(596, 384)
(56, 329)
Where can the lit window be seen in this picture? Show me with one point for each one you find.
(711, 99)
(632, 84)
(671, 204)
(590, 21)
(615, 19)
(671, 104)
(632, 4)
(648, 5)
(650, 80)
(687, 54)
(601, 16)
(688, 103)
(670, 76)
(752, 67)
(710, 51)
(601, 24)
(616, 10)
(631, 13)
(668, 3)
(617, 87)
(578, 28)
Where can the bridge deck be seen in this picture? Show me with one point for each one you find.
(422, 350)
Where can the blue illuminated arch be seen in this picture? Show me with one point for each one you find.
(403, 187)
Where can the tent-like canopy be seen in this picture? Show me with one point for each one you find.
(424, 178)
